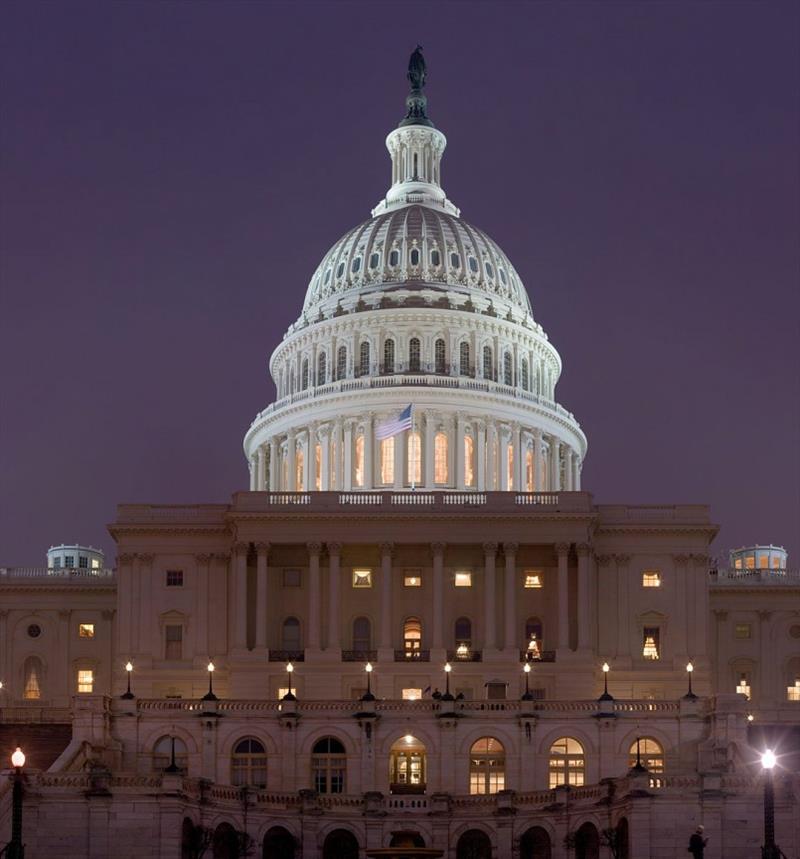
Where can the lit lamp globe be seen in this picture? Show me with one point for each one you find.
(289, 696)
(447, 669)
(18, 758)
(210, 696)
(768, 759)
(527, 670)
(368, 696)
(689, 696)
(606, 696)
(127, 694)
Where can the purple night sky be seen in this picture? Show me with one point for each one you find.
(172, 173)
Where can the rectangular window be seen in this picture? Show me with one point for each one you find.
(83, 562)
(741, 630)
(463, 579)
(793, 692)
(291, 578)
(750, 562)
(496, 691)
(743, 685)
(362, 578)
(174, 578)
(738, 564)
(387, 460)
(763, 562)
(412, 579)
(412, 694)
(776, 562)
(283, 691)
(95, 564)
(56, 563)
(651, 646)
(651, 579)
(85, 630)
(85, 680)
(69, 561)
(174, 642)
(533, 579)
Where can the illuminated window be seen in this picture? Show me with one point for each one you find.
(298, 469)
(793, 692)
(85, 630)
(469, 460)
(750, 562)
(742, 630)
(283, 691)
(359, 463)
(173, 634)
(412, 694)
(776, 562)
(463, 637)
(529, 484)
(414, 355)
(407, 766)
(387, 460)
(487, 766)
(738, 564)
(650, 643)
(33, 678)
(567, 763)
(174, 578)
(510, 474)
(743, 686)
(249, 763)
(85, 680)
(362, 578)
(763, 562)
(463, 579)
(533, 638)
(414, 458)
(533, 579)
(412, 637)
(651, 579)
(96, 564)
(412, 579)
(440, 458)
(328, 765)
(651, 754)
(318, 467)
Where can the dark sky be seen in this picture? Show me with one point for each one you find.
(173, 172)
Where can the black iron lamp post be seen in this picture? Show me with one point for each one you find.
(289, 696)
(638, 768)
(128, 695)
(210, 696)
(447, 696)
(173, 767)
(689, 696)
(16, 849)
(606, 696)
(770, 850)
(368, 696)
(526, 668)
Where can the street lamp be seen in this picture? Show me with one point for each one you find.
(770, 850)
(127, 695)
(605, 696)
(638, 768)
(447, 696)
(689, 696)
(289, 696)
(527, 669)
(368, 696)
(210, 696)
(16, 849)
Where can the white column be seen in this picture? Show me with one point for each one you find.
(324, 435)
(490, 595)
(399, 473)
(262, 550)
(337, 456)
(314, 617)
(273, 465)
(309, 459)
(386, 596)
(577, 473)
(261, 469)
(427, 454)
(369, 457)
(480, 454)
(334, 590)
(502, 440)
(538, 461)
(438, 594)
(240, 585)
(519, 464)
(347, 458)
(251, 465)
(555, 463)
(459, 449)
(562, 550)
(510, 587)
(567, 469)
(584, 593)
(291, 455)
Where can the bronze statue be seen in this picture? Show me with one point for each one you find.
(417, 69)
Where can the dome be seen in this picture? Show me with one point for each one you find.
(415, 247)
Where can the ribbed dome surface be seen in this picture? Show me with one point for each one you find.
(415, 245)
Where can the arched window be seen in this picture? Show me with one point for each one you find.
(455, 260)
(567, 764)
(412, 637)
(535, 844)
(162, 754)
(340, 269)
(387, 460)
(436, 258)
(463, 358)
(374, 259)
(529, 484)
(358, 465)
(249, 763)
(407, 770)
(508, 373)
(362, 634)
(328, 766)
(473, 265)
(225, 843)
(341, 362)
(469, 461)
(415, 253)
(587, 842)
(356, 265)
(651, 754)
(340, 844)
(533, 638)
(487, 363)
(463, 636)
(439, 356)
(322, 368)
(290, 635)
(298, 469)
(394, 258)
(474, 844)
(487, 766)
(525, 377)
(440, 470)
(510, 468)
(388, 356)
(304, 374)
(414, 458)
(413, 355)
(363, 359)
(279, 844)
(32, 690)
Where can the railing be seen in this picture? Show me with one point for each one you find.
(412, 656)
(287, 656)
(544, 656)
(469, 656)
(61, 574)
(359, 655)
(749, 578)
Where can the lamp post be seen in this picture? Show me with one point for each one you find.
(368, 696)
(638, 768)
(770, 850)
(16, 849)
(289, 696)
(447, 696)
(689, 696)
(127, 695)
(173, 767)
(605, 696)
(526, 668)
(210, 696)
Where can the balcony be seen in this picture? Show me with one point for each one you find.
(287, 656)
(412, 656)
(359, 655)
(754, 578)
(464, 656)
(546, 656)
(62, 575)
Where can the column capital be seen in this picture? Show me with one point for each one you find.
(489, 548)
(334, 549)
(387, 549)
(240, 548)
(125, 558)
(604, 560)
(220, 556)
(262, 547)
(537, 434)
(145, 558)
(437, 549)
(314, 548)
(583, 549)
(622, 560)
(700, 559)
(562, 548)
(510, 548)
(203, 559)
(681, 560)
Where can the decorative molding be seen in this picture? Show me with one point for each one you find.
(334, 549)
(438, 548)
(562, 548)
(203, 559)
(387, 549)
(490, 548)
(510, 548)
(145, 558)
(314, 548)
(583, 550)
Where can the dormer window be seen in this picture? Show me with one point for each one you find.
(455, 260)
(340, 269)
(489, 270)
(394, 258)
(415, 256)
(473, 265)
(436, 258)
(356, 266)
(374, 260)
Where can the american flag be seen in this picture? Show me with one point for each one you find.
(393, 426)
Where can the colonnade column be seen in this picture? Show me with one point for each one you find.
(399, 442)
(519, 471)
(262, 550)
(145, 603)
(261, 469)
(459, 481)
(312, 637)
(309, 458)
(291, 456)
(252, 467)
(273, 465)
(490, 594)
(334, 589)
(562, 550)
(510, 642)
(369, 457)
(555, 464)
(203, 602)
(503, 441)
(240, 599)
(386, 602)
(480, 451)
(568, 470)
(538, 461)
(438, 594)
(576, 473)
(347, 457)
(584, 585)
(428, 458)
(324, 435)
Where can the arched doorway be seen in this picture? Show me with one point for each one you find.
(279, 844)
(587, 842)
(535, 844)
(340, 844)
(474, 844)
(225, 844)
(407, 766)
(623, 839)
(187, 839)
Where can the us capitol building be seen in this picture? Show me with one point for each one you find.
(416, 631)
